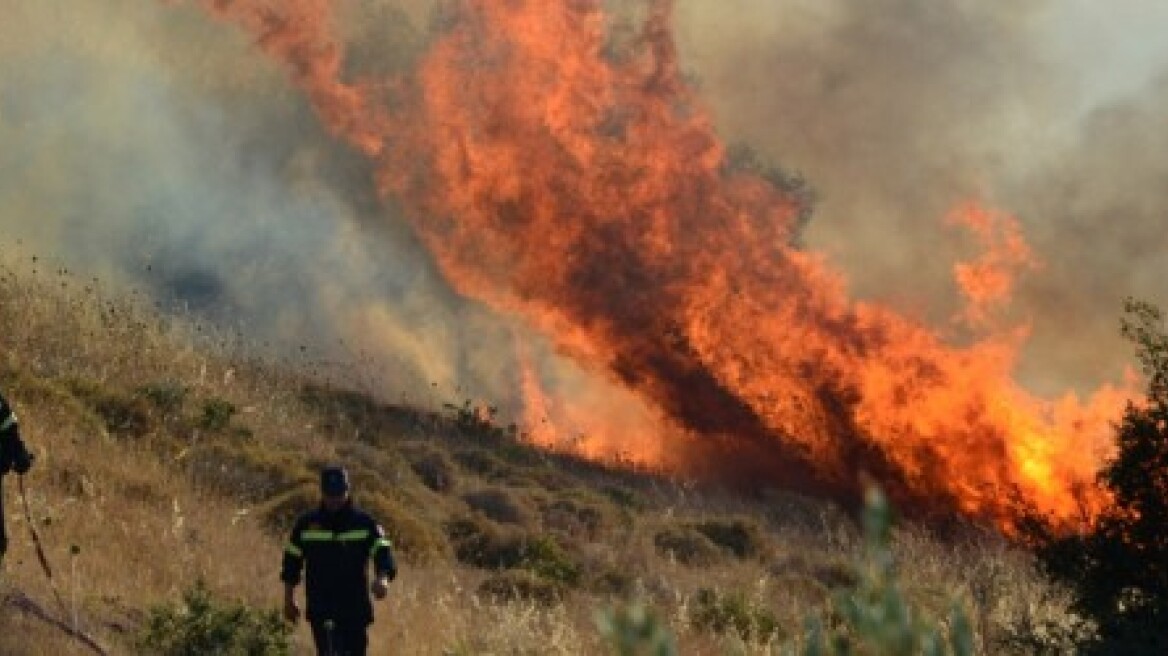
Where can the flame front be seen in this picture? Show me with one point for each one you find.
(576, 182)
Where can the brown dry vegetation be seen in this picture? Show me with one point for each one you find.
(165, 456)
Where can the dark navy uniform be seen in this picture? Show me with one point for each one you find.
(13, 457)
(334, 548)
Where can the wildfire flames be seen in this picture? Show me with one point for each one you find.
(577, 183)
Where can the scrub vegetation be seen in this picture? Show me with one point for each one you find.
(170, 465)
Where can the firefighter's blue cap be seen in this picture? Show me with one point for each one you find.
(334, 481)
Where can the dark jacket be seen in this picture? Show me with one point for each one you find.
(13, 457)
(334, 549)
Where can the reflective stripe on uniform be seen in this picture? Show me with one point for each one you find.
(8, 422)
(316, 536)
(293, 550)
(378, 544)
(329, 536)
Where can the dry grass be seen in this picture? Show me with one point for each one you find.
(165, 456)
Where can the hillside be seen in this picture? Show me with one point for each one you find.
(167, 455)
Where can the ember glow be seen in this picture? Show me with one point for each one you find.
(577, 183)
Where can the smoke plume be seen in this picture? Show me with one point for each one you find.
(536, 203)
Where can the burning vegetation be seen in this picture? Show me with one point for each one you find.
(563, 171)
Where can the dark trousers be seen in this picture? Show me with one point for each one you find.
(3, 535)
(339, 639)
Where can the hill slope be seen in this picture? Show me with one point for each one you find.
(167, 456)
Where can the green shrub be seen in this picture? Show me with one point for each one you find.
(618, 582)
(733, 612)
(480, 543)
(201, 624)
(217, 414)
(740, 537)
(623, 497)
(835, 576)
(875, 618)
(544, 557)
(249, 472)
(499, 505)
(576, 518)
(829, 574)
(483, 463)
(521, 586)
(635, 630)
(435, 470)
(413, 538)
(167, 396)
(280, 512)
(686, 546)
(122, 414)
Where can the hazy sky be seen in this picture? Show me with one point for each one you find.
(136, 133)
(896, 110)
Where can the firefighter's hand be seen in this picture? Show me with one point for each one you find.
(23, 462)
(380, 587)
(291, 611)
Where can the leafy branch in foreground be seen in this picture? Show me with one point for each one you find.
(875, 618)
(635, 631)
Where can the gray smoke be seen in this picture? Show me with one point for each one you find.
(143, 143)
(149, 146)
(1101, 205)
(898, 110)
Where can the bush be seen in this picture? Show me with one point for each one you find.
(575, 518)
(121, 413)
(167, 396)
(1117, 572)
(545, 558)
(483, 544)
(619, 582)
(635, 631)
(875, 618)
(483, 463)
(499, 505)
(201, 624)
(521, 586)
(623, 497)
(413, 538)
(740, 537)
(480, 543)
(280, 512)
(435, 470)
(217, 414)
(733, 612)
(248, 472)
(686, 546)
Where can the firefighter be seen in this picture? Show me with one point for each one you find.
(13, 457)
(334, 545)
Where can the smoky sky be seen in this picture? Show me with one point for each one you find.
(150, 146)
(898, 110)
(145, 143)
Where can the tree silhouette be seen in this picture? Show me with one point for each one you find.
(1118, 572)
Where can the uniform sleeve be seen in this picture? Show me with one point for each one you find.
(293, 562)
(382, 553)
(13, 454)
(7, 417)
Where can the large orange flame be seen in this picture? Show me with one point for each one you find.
(580, 185)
